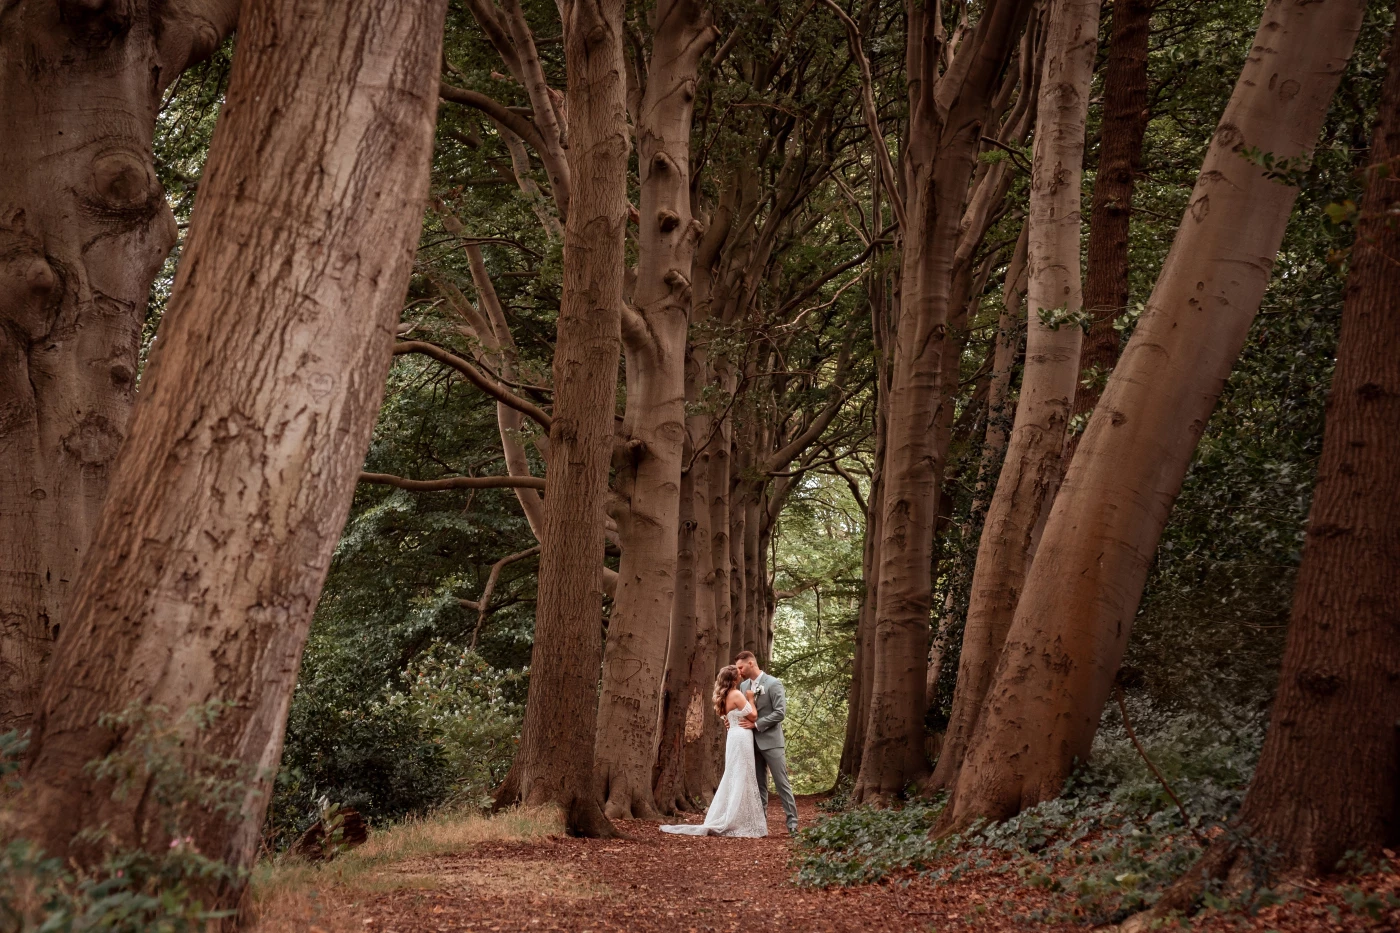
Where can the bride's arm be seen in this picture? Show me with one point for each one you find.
(753, 707)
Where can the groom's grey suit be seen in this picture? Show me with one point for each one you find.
(769, 747)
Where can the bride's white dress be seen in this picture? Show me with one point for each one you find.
(737, 809)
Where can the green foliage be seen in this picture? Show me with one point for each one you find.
(1056, 318)
(131, 890)
(818, 574)
(865, 844)
(1109, 845)
(474, 711)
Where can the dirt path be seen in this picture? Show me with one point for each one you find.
(652, 881)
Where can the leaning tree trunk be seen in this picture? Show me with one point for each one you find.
(945, 128)
(84, 229)
(1125, 116)
(555, 762)
(1031, 469)
(634, 659)
(1075, 613)
(197, 592)
(1328, 780)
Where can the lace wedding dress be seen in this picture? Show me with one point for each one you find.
(737, 809)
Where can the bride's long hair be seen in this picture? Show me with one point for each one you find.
(727, 680)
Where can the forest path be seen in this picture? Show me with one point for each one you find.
(652, 882)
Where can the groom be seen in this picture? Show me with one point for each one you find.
(768, 747)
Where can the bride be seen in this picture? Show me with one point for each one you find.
(736, 809)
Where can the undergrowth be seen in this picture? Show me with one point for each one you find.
(1106, 848)
(129, 890)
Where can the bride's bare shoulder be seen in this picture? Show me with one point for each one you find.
(735, 699)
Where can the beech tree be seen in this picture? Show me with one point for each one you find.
(1125, 116)
(256, 409)
(1075, 612)
(946, 116)
(84, 229)
(649, 460)
(1054, 298)
(555, 762)
(1328, 780)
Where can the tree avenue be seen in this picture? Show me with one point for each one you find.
(411, 410)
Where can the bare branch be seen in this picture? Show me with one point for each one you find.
(872, 115)
(477, 378)
(453, 482)
(483, 605)
(516, 123)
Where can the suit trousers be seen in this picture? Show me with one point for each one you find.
(775, 760)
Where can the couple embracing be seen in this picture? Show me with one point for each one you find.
(752, 705)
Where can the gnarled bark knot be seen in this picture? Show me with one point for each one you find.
(677, 280)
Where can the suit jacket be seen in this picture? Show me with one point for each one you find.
(771, 704)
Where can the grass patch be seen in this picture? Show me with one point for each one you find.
(290, 894)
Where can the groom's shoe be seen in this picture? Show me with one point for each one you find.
(792, 829)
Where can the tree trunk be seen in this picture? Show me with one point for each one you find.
(634, 659)
(196, 595)
(683, 646)
(555, 762)
(1032, 465)
(863, 664)
(720, 463)
(1328, 780)
(946, 117)
(753, 572)
(1079, 600)
(84, 229)
(1125, 115)
(699, 764)
(738, 523)
(1004, 355)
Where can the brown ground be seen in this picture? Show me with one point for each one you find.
(651, 882)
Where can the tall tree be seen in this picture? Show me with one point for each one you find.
(255, 413)
(1328, 780)
(946, 114)
(84, 229)
(1031, 468)
(648, 459)
(1077, 607)
(1125, 118)
(555, 762)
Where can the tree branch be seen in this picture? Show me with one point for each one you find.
(477, 378)
(872, 116)
(483, 605)
(453, 482)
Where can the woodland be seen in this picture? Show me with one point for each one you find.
(407, 408)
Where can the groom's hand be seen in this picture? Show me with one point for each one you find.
(746, 723)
